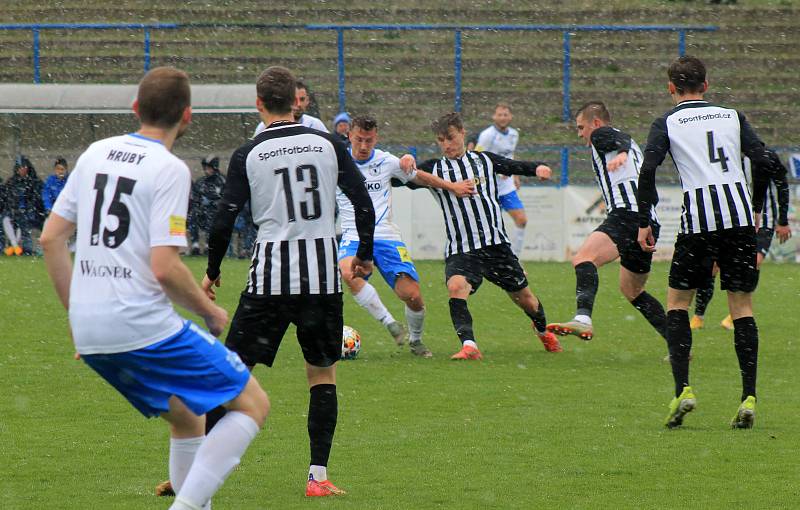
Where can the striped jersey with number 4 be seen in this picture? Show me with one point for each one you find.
(706, 142)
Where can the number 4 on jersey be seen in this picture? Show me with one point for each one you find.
(716, 154)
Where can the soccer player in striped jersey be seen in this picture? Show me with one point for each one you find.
(477, 244)
(616, 159)
(391, 255)
(128, 196)
(717, 222)
(299, 112)
(290, 174)
(501, 139)
(774, 221)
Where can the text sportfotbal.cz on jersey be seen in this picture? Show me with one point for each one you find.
(283, 151)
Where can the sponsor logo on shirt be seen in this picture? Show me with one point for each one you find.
(297, 149)
(92, 270)
(177, 225)
(705, 116)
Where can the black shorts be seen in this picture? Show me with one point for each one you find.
(622, 226)
(734, 251)
(259, 324)
(496, 263)
(764, 240)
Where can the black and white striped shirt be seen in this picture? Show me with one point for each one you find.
(776, 199)
(706, 142)
(290, 174)
(475, 221)
(618, 187)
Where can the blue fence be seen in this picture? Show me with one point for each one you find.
(566, 30)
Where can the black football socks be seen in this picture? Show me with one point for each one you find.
(462, 319)
(323, 410)
(704, 295)
(538, 318)
(586, 282)
(745, 340)
(652, 310)
(679, 341)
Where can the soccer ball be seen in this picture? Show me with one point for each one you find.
(351, 343)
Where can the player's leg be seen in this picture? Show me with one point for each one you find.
(459, 288)
(398, 270)
(365, 294)
(319, 332)
(13, 235)
(186, 435)
(692, 262)
(511, 203)
(222, 378)
(597, 250)
(739, 276)
(407, 289)
(632, 286)
(704, 294)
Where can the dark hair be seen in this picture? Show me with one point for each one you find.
(164, 94)
(300, 84)
(60, 161)
(688, 74)
(276, 89)
(365, 122)
(442, 125)
(594, 110)
(211, 160)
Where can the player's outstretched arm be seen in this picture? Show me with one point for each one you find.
(179, 285)
(508, 166)
(459, 189)
(654, 154)
(606, 139)
(237, 193)
(55, 236)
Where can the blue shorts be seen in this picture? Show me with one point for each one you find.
(391, 258)
(511, 201)
(192, 365)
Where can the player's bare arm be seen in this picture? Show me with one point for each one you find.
(460, 189)
(646, 239)
(55, 236)
(544, 172)
(179, 285)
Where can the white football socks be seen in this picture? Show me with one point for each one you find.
(415, 321)
(318, 473)
(585, 319)
(517, 240)
(368, 298)
(216, 457)
(181, 456)
(13, 235)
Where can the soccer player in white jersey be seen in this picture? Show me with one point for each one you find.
(616, 159)
(289, 173)
(477, 244)
(718, 222)
(299, 112)
(501, 139)
(774, 221)
(391, 255)
(128, 197)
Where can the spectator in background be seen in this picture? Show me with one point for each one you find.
(206, 192)
(24, 208)
(2, 218)
(54, 184)
(247, 231)
(341, 126)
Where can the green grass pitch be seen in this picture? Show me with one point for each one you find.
(522, 429)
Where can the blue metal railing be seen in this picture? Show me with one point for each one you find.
(36, 28)
(566, 30)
